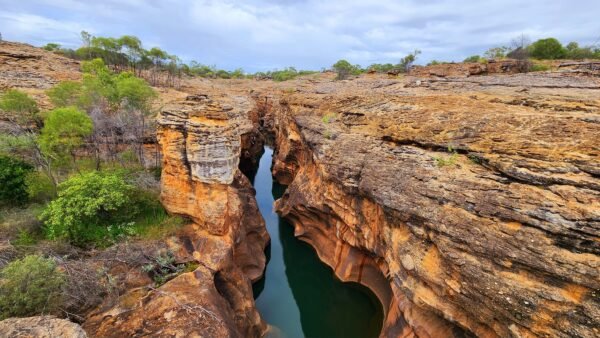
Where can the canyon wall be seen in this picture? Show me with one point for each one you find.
(467, 207)
(202, 142)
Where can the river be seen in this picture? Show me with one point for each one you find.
(299, 296)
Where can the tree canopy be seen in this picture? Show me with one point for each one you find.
(64, 130)
(87, 205)
(548, 49)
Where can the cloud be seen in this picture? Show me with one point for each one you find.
(266, 34)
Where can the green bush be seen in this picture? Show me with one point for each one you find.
(20, 106)
(66, 93)
(39, 187)
(539, 67)
(18, 102)
(13, 189)
(134, 92)
(30, 286)
(92, 208)
(344, 69)
(473, 58)
(547, 49)
(64, 131)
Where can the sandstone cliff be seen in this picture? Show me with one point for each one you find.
(201, 142)
(465, 206)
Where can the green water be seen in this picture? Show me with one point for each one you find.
(299, 295)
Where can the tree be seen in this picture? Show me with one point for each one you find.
(157, 56)
(52, 47)
(407, 61)
(136, 95)
(23, 111)
(343, 69)
(30, 286)
(134, 92)
(88, 207)
(13, 173)
(519, 47)
(573, 51)
(66, 93)
(22, 108)
(133, 49)
(63, 132)
(496, 52)
(547, 49)
(86, 40)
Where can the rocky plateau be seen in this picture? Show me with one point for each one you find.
(468, 202)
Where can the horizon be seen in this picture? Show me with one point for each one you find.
(263, 35)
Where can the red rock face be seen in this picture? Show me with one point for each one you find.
(201, 144)
(461, 209)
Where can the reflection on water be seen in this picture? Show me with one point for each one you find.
(299, 295)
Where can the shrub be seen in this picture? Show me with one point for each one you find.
(20, 107)
(18, 102)
(64, 131)
(496, 52)
(66, 93)
(344, 69)
(328, 117)
(473, 58)
(539, 67)
(573, 51)
(92, 208)
(548, 49)
(164, 268)
(39, 187)
(446, 161)
(13, 189)
(407, 61)
(30, 286)
(51, 46)
(134, 92)
(381, 68)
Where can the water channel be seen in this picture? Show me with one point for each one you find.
(300, 296)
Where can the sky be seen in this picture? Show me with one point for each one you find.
(259, 35)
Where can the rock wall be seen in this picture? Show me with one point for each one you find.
(40, 327)
(201, 142)
(462, 220)
(508, 66)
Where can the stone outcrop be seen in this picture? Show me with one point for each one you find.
(464, 210)
(25, 66)
(201, 143)
(40, 327)
(463, 69)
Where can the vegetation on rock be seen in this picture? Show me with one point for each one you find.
(30, 286)
(13, 173)
(92, 207)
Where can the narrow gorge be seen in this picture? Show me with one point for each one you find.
(456, 220)
(457, 200)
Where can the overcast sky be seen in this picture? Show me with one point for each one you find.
(308, 34)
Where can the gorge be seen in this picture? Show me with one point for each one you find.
(458, 222)
(446, 203)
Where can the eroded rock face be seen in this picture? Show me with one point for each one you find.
(201, 143)
(25, 66)
(508, 66)
(465, 208)
(40, 327)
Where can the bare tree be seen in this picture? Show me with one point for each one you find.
(519, 47)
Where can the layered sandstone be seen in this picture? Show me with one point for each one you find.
(25, 66)
(201, 144)
(466, 206)
(507, 66)
(40, 327)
